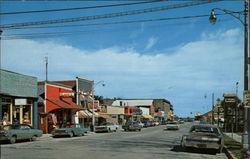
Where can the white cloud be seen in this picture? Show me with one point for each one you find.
(151, 42)
(212, 64)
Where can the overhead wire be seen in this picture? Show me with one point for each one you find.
(111, 15)
(78, 8)
(118, 22)
(52, 34)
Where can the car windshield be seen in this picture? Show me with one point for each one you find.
(172, 122)
(204, 129)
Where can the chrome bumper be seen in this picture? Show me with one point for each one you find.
(202, 144)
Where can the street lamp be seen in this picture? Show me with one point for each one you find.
(236, 91)
(212, 20)
(93, 101)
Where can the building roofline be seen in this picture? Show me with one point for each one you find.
(18, 73)
(87, 80)
(52, 83)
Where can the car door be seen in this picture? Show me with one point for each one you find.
(25, 132)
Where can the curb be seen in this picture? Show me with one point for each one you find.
(229, 154)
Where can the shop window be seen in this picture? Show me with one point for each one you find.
(27, 114)
(6, 113)
(6, 100)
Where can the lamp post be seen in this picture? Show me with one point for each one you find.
(93, 102)
(212, 20)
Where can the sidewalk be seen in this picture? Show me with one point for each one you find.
(234, 136)
(45, 136)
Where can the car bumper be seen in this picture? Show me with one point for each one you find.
(101, 130)
(172, 128)
(202, 144)
(4, 138)
(60, 134)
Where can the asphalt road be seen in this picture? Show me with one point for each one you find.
(150, 143)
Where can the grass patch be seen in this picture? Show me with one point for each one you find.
(233, 146)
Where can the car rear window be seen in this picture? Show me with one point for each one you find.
(204, 129)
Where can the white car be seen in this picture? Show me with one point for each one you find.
(107, 127)
(172, 125)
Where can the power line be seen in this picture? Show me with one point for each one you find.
(119, 22)
(78, 8)
(57, 34)
(141, 11)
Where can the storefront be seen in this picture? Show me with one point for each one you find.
(18, 98)
(56, 106)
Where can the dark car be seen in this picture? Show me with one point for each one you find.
(132, 126)
(12, 133)
(205, 136)
(70, 130)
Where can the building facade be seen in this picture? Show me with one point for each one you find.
(18, 98)
(56, 106)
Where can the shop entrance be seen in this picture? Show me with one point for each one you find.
(16, 117)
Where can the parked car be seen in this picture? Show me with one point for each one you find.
(70, 130)
(181, 121)
(132, 126)
(106, 127)
(205, 136)
(12, 133)
(146, 124)
(156, 123)
(141, 124)
(172, 125)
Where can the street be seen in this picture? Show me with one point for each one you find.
(150, 143)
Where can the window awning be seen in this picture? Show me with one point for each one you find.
(83, 114)
(147, 116)
(52, 104)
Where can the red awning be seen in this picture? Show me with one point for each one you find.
(52, 104)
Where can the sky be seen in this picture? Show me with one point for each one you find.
(184, 61)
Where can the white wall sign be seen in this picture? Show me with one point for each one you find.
(20, 101)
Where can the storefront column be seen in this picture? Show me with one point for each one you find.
(1, 108)
(11, 113)
(21, 114)
(35, 115)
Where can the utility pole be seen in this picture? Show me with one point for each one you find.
(0, 73)
(212, 108)
(46, 68)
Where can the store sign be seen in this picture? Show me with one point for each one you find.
(20, 101)
(230, 100)
(246, 98)
(137, 111)
(67, 94)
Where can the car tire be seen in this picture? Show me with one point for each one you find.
(71, 134)
(13, 139)
(220, 150)
(34, 138)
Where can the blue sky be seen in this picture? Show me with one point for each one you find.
(180, 60)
